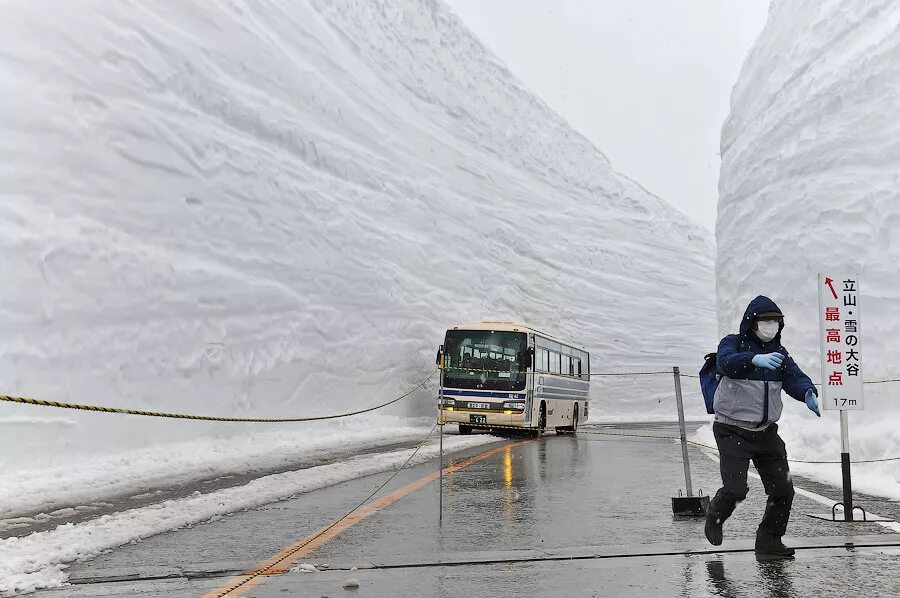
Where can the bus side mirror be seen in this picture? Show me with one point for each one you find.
(439, 358)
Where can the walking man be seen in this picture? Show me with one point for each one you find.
(755, 367)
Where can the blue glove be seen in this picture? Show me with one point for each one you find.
(812, 401)
(770, 361)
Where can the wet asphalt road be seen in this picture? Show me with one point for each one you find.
(559, 516)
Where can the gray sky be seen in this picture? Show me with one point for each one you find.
(648, 81)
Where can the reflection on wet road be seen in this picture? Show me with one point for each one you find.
(559, 516)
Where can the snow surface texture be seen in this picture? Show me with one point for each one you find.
(276, 209)
(810, 172)
(48, 489)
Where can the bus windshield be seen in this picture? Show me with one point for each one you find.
(484, 359)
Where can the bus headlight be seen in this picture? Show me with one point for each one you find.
(517, 406)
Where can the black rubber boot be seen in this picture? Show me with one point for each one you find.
(713, 529)
(773, 547)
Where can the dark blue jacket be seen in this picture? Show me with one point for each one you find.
(752, 394)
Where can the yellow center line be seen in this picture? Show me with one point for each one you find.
(282, 561)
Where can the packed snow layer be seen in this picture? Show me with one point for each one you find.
(45, 490)
(277, 208)
(809, 181)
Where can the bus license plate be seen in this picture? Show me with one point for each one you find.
(477, 419)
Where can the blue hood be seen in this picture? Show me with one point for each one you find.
(760, 305)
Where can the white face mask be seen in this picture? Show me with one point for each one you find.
(767, 330)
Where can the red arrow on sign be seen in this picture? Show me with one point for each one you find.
(828, 283)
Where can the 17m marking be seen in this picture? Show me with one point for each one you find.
(845, 402)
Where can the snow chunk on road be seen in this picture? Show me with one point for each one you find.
(304, 568)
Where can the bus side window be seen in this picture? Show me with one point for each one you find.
(554, 363)
(578, 367)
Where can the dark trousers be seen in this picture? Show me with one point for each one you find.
(737, 447)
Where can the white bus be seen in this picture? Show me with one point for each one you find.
(503, 375)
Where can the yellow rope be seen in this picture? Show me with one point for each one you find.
(122, 411)
(267, 420)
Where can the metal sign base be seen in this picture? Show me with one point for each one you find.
(856, 515)
(839, 518)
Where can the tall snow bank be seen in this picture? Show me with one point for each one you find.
(810, 163)
(277, 208)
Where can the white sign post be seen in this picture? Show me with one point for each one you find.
(840, 341)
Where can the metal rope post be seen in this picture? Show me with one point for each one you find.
(690, 504)
(440, 423)
(684, 448)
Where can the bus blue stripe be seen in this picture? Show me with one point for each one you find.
(502, 395)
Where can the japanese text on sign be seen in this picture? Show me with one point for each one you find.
(840, 340)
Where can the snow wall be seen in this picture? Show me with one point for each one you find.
(809, 180)
(276, 209)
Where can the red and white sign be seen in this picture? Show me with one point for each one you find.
(840, 338)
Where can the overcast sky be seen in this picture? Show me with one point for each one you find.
(648, 81)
